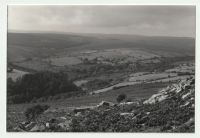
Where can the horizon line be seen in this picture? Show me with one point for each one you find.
(63, 32)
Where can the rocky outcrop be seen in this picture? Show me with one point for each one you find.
(170, 110)
(183, 89)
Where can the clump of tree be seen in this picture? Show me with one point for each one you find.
(40, 84)
(33, 112)
(121, 97)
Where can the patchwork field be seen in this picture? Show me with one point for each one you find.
(16, 74)
(60, 48)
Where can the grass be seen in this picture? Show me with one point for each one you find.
(15, 111)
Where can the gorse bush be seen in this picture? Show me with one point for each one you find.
(121, 97)
(40, 84)
(33, 112)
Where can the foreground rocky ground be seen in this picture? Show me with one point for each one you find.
(170, 110)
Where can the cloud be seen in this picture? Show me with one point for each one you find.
(145, 20)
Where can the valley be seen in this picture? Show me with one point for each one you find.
(99, 68)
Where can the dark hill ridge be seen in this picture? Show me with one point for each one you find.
(47, 44)
(170, 110)
(73, 40)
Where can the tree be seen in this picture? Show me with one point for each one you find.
(40, 84)
(121, 97)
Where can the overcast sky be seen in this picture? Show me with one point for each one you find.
(142, 20)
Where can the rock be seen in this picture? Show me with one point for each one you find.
(156, 98)
(51, 111)
(25, 123)
(47, 125)
(126, 103)
(63, 118)
(128, 106)
(147, 113)
(181, 87)
(192, 106)
(78, 114)
(127, 114)
(65, 125)
(186, 95)
(187, 103)
(81, 109)
(105, 104)
(38, 128)
(60, 119)
(30, 125)
(189, 122)
(18, 129)
(35, 128)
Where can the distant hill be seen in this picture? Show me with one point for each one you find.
(29, 45)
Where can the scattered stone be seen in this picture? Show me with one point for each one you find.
(104, 104)
(30, 125)
(25, 123)
(156, 98)
(38, 128)
(63, 118)
(186, 95)
(78, 114)
(65, 125)
(126, 114)
(189, 122)
(47, 125)
(166, 92)
(187, 103)
(127, 103)
(143, 117)
(18, 129)
(80, 109)
(192, 105)
(147, 113)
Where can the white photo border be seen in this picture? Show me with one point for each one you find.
(3, 66)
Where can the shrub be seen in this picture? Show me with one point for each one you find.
(33, 112)
(121, 97)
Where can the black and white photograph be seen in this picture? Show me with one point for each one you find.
(101, 68)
